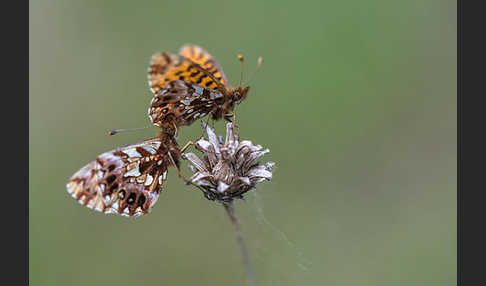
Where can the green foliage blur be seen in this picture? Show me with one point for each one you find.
(356, 101)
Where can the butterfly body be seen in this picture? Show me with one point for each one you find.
(127, 180)
(190, 86)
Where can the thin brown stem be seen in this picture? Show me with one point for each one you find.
(228, 206)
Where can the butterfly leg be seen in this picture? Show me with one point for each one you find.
(177, 169)
(207, 121)
(190, 143)
(228, 117)
(175, 128)
(235, 126)
(225, 111)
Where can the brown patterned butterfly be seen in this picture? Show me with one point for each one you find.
(127, 180)
(189, 86)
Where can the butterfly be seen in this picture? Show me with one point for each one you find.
(127, 180)
(189, 86)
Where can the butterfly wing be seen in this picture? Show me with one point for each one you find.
(160, 65)
(165, 68)
(205, 60)
(184, 101)
(126, 181)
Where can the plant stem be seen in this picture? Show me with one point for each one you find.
(239, 238)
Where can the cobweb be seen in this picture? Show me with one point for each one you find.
(302, 262)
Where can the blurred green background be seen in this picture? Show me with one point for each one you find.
(356, 101)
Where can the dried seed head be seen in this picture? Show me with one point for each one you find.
(229, 168)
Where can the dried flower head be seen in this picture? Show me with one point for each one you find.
(227, 169)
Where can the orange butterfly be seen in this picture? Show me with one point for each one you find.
(189, 86)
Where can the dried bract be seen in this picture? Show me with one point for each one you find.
(229, 168)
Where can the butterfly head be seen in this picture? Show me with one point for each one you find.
(239, 93)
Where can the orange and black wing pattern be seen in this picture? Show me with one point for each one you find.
(166, 67)
(160, 66)
(205, 60)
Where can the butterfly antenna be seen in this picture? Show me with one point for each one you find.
(240, 57)
(113, 132)
(259, 64)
